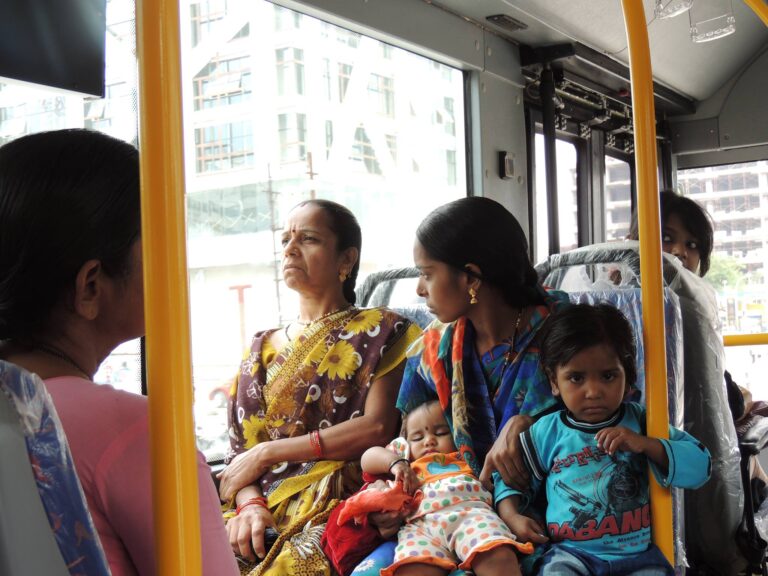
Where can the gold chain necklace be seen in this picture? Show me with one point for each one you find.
(305, 325)
(508, 355)
(53, 351)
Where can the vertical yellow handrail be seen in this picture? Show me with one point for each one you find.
(652, 291)
(174, 466)
(760, 8)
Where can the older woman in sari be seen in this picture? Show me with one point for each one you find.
(310, 398)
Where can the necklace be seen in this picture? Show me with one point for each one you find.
(304, 324)
(510, 354)
(53, 351)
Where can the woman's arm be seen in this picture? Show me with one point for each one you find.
(506, 455)
(343, 441)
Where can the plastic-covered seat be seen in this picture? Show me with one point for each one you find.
(713, 512)
(45, 526)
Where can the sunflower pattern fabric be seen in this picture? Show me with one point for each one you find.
(478, 395)
(319, 379)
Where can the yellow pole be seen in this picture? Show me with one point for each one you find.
(650, 258)
(760, 8)
(746, 339)
(174, 467)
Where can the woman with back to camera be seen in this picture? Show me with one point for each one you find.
(310, 397)
(480, 357)
(70, 291)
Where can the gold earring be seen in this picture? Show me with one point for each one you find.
(472, 296)
(342, 276)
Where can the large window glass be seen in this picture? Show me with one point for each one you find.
(567, 206)
(617, 199)
(736, 196)
(336, 115)
(26, 110)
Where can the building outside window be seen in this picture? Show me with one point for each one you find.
(736, 197)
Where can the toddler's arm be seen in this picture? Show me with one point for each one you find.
(680, 461)
(525, 528)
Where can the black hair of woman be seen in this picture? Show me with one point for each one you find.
(348, 234)
(692, 215)
(480, 231)
(582, 326)
(78, 185)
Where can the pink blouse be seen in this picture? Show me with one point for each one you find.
(108, 435)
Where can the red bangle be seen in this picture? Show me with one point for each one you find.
(317, 447)
(257, 501)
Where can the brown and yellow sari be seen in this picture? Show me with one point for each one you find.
(319, 379)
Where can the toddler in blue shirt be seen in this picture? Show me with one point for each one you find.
(592, 456)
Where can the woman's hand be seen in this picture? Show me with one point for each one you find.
(387, 523)
(405, 474)
(245, 469)
(246, 531)
(506, 455)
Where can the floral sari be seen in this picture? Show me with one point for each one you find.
(444, 364)
(319, 379)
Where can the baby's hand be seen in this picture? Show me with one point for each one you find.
(403, 473)
(619, 438)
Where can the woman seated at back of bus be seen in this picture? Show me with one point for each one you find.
(311, 397)
(70, 292)
(686, 231)
(481, 356)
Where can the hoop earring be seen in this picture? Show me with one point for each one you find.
(342, 277)
(472, 296)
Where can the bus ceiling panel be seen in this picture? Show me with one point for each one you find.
(735, 117)
(748, 94)
(693, 70)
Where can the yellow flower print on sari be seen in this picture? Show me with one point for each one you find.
(364, 322)
(341, 361)
(254, 431)
(317, 354)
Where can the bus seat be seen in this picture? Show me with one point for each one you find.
(713, 512)
(45, 526)
(384, 289)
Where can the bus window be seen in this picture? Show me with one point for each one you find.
(25, 109)
(617, 199)
(736, 196)
(566, 197)
(336, 115)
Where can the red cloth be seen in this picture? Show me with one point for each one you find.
(361, 504)
(347, 545)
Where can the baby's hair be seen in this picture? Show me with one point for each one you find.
(581, 326)
(424, 406)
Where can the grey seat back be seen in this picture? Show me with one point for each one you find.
(27, 545)
(45, 526)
